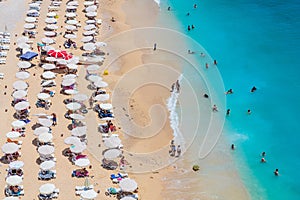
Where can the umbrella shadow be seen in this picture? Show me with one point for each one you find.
(70, 127)
(91, 87)
(35, 126)
(35, 142)
(38, 161)
(4, 160)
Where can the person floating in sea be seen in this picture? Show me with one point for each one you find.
(253, 89)
(191, 52)
(228, 112)
(169, 8)
(206, 65)
(154, 47)
(189, 27)
(249, 111)
(178, 151)
(263, 154)
(193, 26)
(187, 14)
(232, 147)
(215, 108)
(215, 62)
(276, 172)
(202, 54)
(205, 96)
(230, 91)
(263, 160)
(195, 5)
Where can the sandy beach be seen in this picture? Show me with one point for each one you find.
(139, 102)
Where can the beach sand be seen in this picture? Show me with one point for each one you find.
(133, 107)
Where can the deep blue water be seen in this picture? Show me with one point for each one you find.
(256, 42)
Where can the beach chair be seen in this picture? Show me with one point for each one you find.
(4, 47)
(2, 61)
(3, 54)
(1, 75)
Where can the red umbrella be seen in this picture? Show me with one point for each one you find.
(69, 56)
(57, 54)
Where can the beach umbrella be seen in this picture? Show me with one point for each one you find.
(30, 19)
(89, 47)
(14, 180)
(70, 27)
(73, 3)
(72, 66)
(48, 66)
(43, 96)
(79, 131)
(19, 94)
(51, 14)
(106, 106)
(100, 44)
(71, 15)
(77, 116)
(89, 194)
(22, 39)
(52, 26)
(73, 105)
(128, 198)
(72, 22)
(45, 137)
(50, 59)
(77, 148)
(16, 164)
(94, 78)
(20, 85)
(23, 46)
(74, 60)
(90, 27)
(87, 39)
(33, 12)
(88, 3)
(41, 130)
(102, 97)
(93, 67)
(24, 64)
(82, 162)
(62, 61)
(100, 84)
(69, 76)
(13, 135)
(112, 142)
(50, 21)
(128, 185)
(80, 97)
(46, 150)
(29, 26)
(22, 75)
(70, 36)
(34, 5)
(90, 21)
(92, 8)
(49, 33)
(21, 105)
(45, 122)
(48, 75)
(71, 7)
(47, 48)
(47, 188)
(18, 124)
(112, 154)
(47, 165)
(71, 92)
(57, 53)
(72, 140)
(87, 33)
(9, 148)
(68, 82)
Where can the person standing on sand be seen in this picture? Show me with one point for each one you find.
(54, 119)
(172, 87)
(177, 86)
(91, 102)
(173, 149)
(154, 47)
(178, 151)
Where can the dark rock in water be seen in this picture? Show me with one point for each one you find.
(196, 168)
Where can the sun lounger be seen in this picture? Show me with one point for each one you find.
(1, 75)
(4, 47)
(84, 188)
(5, 41)
(3, 54)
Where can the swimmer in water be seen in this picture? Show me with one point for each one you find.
(189, 27)
(193, 26)
(232, 147)
(215, 62)
(276, 172)
(230, 91)
(228, 112)
(187, 14)
(249, 111)
(205, 96)
(253, 89)
(195, 5)
(263, 154)
(169, 8)
(263, 160)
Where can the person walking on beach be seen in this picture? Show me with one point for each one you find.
(215, 108)
(177, 86)
(91, 102)
(154, 47)
(54, 119)
(173, 149)
(178, 151)
(172, 87)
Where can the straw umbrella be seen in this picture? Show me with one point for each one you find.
(89, 194)
(47, 188)
(14, 180)
(19, 94)
(73, 106)
(47, 165)
(9, 148)
(112, 154)
(16, 164)
(18, 124)
(40, 130)
(112, 142)
(128, 185)
(24, 64)
(22, 75)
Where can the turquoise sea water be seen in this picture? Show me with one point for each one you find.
(256, 43)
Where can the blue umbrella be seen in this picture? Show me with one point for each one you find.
(28, 55)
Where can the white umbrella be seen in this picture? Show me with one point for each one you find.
(100, 44)
(70, 36)
(21, 105)
(71, 14)
(41, 130)
(69, 76)
(87, 39)
(16, 164)
(50, 59)
(112, 154)
(22, 39)
(71, 92)
(18, 124)
(72, 22)
(86, 33)
(48, 48)
(11, 198)
(68, 82)
(24, 64)
(106, 106)
(93, 67)
(52, 26)
(73, 60)
(30, 19)
(128, 185)
(48, 66)
(72, 140)
(13, 135)
(82, 162)
(47, 188)
(92, 8)
(79, 131)
(128, 198)
(48, 75)
(51, 14)
(88, 3)
(89, 194)
(80, 97)
(100, 84)
(90, 21)
(71, 7)
(73, 105)
(45, 137)
(50, 21)
(72, 66)
(94, 78)
(43, 96)
(34, 5)
(112, 142)
(29, 26)
(46, 150)
(89, 47)
(45, 122)
(77, 116)
(10, 148)
(47, 165)
(14, 180)
(23, 46)
(77, 148)
(102, 97)
(22, 75)
(70, 27)
(73, 3)
(91, 14)
(19, 94)
(49, 33)
(90, 27)
(62, 61)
